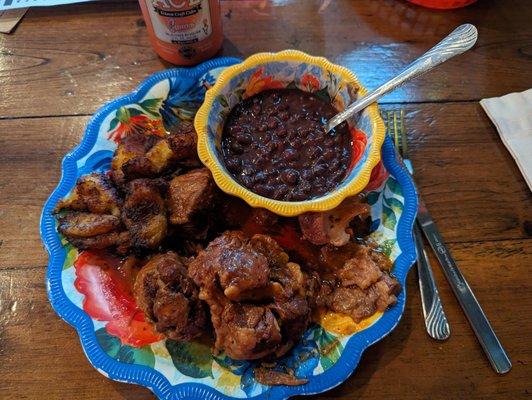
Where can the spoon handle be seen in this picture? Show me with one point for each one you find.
(457, 42)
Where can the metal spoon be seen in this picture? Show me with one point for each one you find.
(457, 42)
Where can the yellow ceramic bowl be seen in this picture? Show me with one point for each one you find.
(289, 68)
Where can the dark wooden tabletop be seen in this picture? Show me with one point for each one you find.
(63, 63)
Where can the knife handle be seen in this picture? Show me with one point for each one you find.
(474, 313)
(435, 319)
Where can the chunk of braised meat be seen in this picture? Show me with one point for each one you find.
(169, 298)
(183, 141)
(229, 262)
(256, 297)
(83, 225)
(93, 231)
(144, 212)
(189, 194)
(93, 193)
(360, 287)
(140, 155)
(245, 331)
(145, 155)
(332, 226)
(333, 258)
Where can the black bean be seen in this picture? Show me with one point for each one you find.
(298, 196)
(237, 148)
(272, 123)
(305, 187)
(337, 175)
(328, 154)
(281, 132)
(290, 176)
(306, 174)
(233, 164)
(259, 177)
(263, 190)
(310, 151)
(294, 163)
(289, 154)
(272, 180)
(247, 181)
(329, 142)
(319, 169)
(296, 143)
(234, 130)
(281, 192)
(244, 138)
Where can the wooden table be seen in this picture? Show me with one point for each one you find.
(63, 63)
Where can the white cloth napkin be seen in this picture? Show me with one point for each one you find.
(512, 116)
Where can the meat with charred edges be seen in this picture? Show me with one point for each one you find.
(93, 193)
(256, 297)
(183, 142)
(169, 298)
(144, 212)
(141, 155)
(93, 231)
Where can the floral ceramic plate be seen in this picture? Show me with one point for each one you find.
(90, 295)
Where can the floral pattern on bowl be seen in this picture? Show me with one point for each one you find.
(288, 69)
(87, 292)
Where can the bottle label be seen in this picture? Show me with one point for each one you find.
(182, 22)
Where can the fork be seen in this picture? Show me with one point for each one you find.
(435, 318)
(473, 311)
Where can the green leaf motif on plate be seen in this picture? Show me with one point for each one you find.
(151, 106)
(191, 358)
(113, 124)
(386, 247)
(223, 101)
(330, 347)
(122, 114)
(395, 204)
(372, 197)
(71, 254)
(323, 94)
(124, 353)
(239, 93)
(389, 220)
(134, 112)
(394, 186)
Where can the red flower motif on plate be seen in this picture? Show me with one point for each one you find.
(128, 123)
(257, 83)
(108, 298)
(310, 82)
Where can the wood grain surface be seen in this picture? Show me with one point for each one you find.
(63, 63)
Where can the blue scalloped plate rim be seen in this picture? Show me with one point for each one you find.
(149, 377)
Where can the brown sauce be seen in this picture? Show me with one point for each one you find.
(275, 145)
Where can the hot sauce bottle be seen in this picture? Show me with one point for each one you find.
(183, 32)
